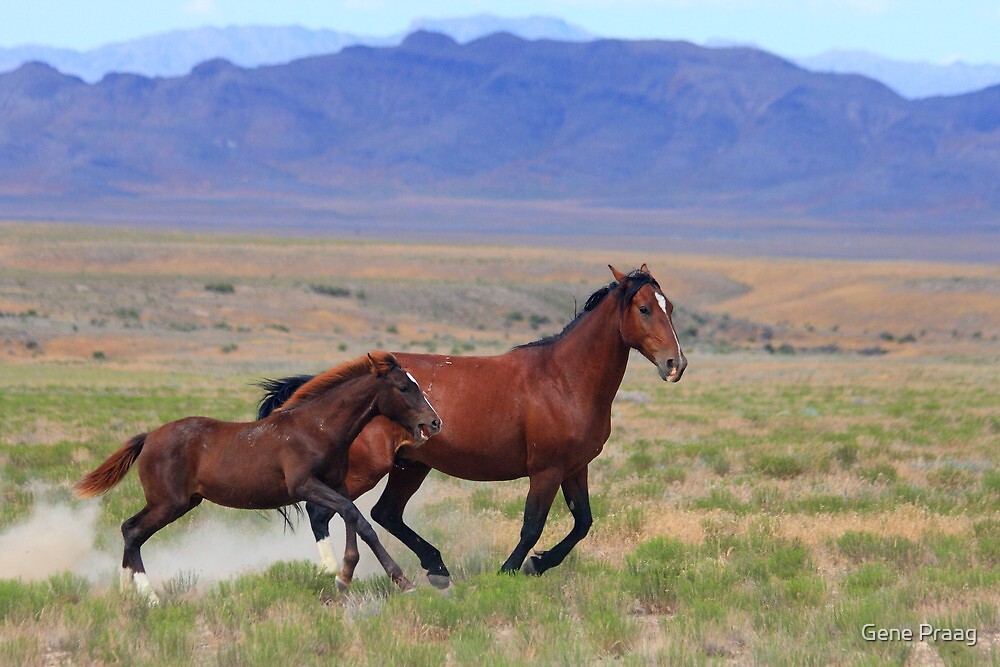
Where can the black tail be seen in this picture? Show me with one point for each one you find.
(276, 392)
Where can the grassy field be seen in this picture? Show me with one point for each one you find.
(829, 461)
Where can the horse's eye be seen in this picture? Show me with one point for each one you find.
(644, 310)
(404, 388)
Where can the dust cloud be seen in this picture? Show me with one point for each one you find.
(60, 537)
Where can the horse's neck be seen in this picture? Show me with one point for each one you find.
(592, 355)
(344, 410)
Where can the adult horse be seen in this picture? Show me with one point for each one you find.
(298, 453)
(542, 411)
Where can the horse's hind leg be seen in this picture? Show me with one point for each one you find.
(319, 521)
(404, 480)
(139, 528)
(351, 557)
(577, 498)
(314, 491)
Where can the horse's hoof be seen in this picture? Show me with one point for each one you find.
(406, 586)
(341, 584)
(439, 581)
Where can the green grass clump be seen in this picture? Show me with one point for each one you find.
(330, 290)
(220, 287)
(987, 532)
(861, 546)
(21, 650)
(777, 466)
(950, 477)
(882, 473)
(847, 454)
(25, 600)
(869, 578)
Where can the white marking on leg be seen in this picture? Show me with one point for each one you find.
(125, 578)
(327, 561)
(144, 588)
(141, 582)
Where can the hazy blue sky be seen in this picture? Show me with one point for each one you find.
(930, 30)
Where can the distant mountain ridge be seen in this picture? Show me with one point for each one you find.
(657, 125)
(913, 80)
(176, 53)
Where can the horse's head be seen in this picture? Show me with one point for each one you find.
(647, 322)
(401, 399)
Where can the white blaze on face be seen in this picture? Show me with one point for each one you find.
(413, 379)
(662, 300)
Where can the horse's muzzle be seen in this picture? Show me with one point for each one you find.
(672, 368)
(424, 432)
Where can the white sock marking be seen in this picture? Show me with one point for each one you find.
(326, 558)
(141, 583)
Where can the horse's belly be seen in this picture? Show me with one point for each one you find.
(264, 496)
(484, 464)
(252, 485)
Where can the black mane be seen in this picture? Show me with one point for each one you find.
(633, 282)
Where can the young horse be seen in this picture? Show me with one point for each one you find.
(298, 453)
(542, 410)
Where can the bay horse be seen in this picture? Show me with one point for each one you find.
(298, 453)
(541, 410)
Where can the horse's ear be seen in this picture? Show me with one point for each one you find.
(644, 268)
(619, 276)
(381, 362)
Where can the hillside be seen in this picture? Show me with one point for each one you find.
(669, 126)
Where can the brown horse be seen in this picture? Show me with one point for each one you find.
(542, 410)
(298, 453)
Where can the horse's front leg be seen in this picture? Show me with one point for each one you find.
(404, 480)
(314, 491)
(577, 498)
(541, 492)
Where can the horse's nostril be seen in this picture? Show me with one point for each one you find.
(436, 424)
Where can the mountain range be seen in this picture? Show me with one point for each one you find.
(603, 126)
(176, 53)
